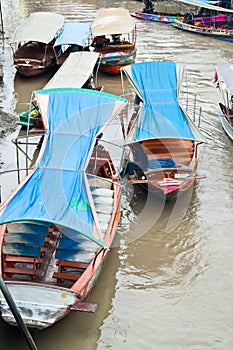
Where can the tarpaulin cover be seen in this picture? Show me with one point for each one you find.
(205, 4)
(39, 26)
(75, 71)
(73, 33)
(56, 191)
(158, 85)
(112, 21)
(225, 73)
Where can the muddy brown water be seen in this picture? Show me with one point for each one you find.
(168, 281)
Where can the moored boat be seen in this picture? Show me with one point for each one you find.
(156, 17)
(76, 72)
(159, 12)
(217, 22)
(56, 228)
(165, 137)
(32, 43)
(114, 38)
(225, 85)
(73, 37)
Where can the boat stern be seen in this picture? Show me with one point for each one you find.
(40, 306)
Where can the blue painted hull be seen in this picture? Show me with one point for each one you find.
(155, 17)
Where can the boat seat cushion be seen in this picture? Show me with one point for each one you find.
(104, 192)
(21, 249)
(103, 200)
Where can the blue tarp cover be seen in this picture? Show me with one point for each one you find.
(56, 191)
(73, 33)
(161, 116)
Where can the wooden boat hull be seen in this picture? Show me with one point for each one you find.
(182, 158)
(113, 68)
(49, 266)
(211, 32)
(34, 59)
(111, 62)
(53, 302)
(30, 70)
(155, 17)
(166, 188)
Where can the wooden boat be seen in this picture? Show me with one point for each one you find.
(56, 228)
(208, 31)
(32, 44)
(156, 17)
(73, 37)
(167, 136)
(76, 72)
(114, 37)
(169, 18)
(219, 25)
(225, 85)
(163, 12)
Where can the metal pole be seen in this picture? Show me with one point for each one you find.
(1, 21)
(194, 109)
(199, 120)
(17, 315)
(17, 162)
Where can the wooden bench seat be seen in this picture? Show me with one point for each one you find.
(22, 259)
(172, 150)
(74, 264)
(65, 271)
(66, 276)
(169, 155)
(19, 271)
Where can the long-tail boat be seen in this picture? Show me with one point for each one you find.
(114, 38)
(57, 226)
(225, 85)
(32, 43)
(168, 137)
(218, 24)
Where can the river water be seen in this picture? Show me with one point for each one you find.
(168, 281)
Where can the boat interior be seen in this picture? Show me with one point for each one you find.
(180, 151)
(43, 253)
(171, 158)
(34, 50)
(227, 112)
(109, 45)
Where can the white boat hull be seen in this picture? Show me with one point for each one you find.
(40, 306)
(226, 126)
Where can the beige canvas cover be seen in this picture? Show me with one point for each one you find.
(39, 26)
(112, 21)
(75, 71)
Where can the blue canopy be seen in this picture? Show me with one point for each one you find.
(73, 33)
(56, 191)
(158, 85)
